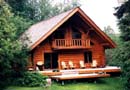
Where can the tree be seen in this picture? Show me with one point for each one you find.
(37, 10)
(44, 9)
(108, 30)
(123, 15)
(110, 53)
(13, 55)
(22, 8)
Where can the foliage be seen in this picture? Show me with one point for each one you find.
(21, 24)
(67, 5)
(13, 55)
(30, 79)
(37, 10)
(109, 31)
(15, 17)
(45, 9)
(123, 9)
(111, 53)
(102, 84)
(21, 8)
(123, 14)
(124, 25)
(125, 59)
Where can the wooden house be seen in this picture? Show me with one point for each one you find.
(69, 36)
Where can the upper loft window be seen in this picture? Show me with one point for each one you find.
(75, 33)
(91, 43)
(59, 34)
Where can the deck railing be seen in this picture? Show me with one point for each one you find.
(73, 43)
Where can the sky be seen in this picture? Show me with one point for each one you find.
(101, 12)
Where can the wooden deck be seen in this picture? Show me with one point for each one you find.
(79, 76)
(108, 69)
(71, 74)
(74, 76)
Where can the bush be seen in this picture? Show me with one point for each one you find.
(31, 80)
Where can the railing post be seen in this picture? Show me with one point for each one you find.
(86, 43)
(82, 42)
(89, 42)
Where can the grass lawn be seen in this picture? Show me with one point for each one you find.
(101, 84)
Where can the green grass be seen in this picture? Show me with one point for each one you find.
(102, 84)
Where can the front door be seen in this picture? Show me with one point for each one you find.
(50, 60)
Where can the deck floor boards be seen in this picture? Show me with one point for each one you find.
(108, 69)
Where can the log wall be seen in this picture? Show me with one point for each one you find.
(98, 52)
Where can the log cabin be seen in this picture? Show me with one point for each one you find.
(69, 36)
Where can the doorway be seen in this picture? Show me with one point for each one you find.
(50, 60)
(88, 57)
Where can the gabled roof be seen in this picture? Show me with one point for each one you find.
(40, 31)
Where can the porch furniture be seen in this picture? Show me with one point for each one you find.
(94, 64)
(30, 68)
(71, 65)
(63, 64)
(40, 65)
(82, 65)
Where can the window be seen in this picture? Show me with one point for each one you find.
(59, 34)
(91, 43)
(75, 33)
(88, 57)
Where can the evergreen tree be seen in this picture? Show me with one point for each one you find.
(22, 8)
(123, 14)
(110, 53)
(44, 9)
(37, 10)
(13, 56)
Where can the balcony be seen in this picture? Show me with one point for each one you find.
(71, 44)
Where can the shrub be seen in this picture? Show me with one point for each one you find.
(30, 79)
